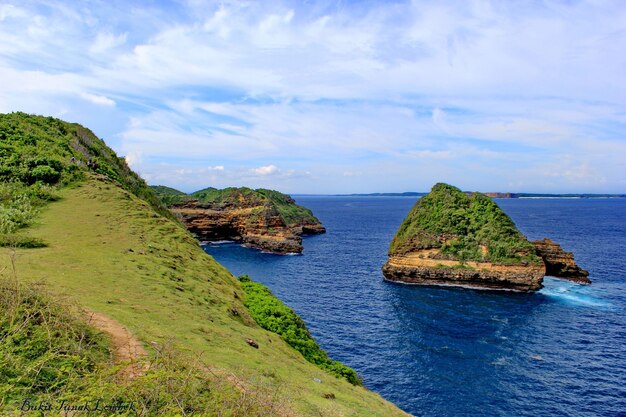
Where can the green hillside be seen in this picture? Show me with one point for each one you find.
(169, 196)
(110, 248)
(462, 227)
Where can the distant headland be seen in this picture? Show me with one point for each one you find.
(261, 218)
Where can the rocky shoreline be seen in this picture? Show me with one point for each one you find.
(414, 269)
(560, 263)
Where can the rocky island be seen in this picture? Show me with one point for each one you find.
(452, 238)
(261, 218)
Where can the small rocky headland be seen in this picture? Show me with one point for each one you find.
(464, 239)
(263, 219)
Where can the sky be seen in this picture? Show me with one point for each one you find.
(333, 96)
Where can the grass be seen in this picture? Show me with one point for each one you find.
(112, 253)
(273, 315)
(44, 346)
(49, 356)
(462, 227)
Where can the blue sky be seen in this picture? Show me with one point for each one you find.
(334, 96)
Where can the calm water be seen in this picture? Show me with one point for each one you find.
(456, 352)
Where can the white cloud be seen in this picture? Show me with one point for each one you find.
(267, 170)
(10, 11)
(314, 86)
(96, 99)
(106, 41)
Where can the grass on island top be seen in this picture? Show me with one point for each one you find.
(291, 212)
(110, 252)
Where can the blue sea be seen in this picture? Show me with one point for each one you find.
(440, 351)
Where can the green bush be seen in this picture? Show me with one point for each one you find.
(272, 314)
(45, 174)
(15, 240)
(16, 213)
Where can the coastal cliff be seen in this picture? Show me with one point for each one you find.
(560, 263)
(262, 219)
(450, 238)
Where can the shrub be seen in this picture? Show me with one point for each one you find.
(272, 314)
(45, 174)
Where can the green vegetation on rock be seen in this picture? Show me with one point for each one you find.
(241, 197)
(169, 196)
(273, 315)
(287, 207)
(230, 196)
(464, 228)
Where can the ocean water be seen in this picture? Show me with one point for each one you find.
(441, 351)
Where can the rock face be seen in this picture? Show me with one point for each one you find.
(262, 219)
(450, 238)
(559, 263)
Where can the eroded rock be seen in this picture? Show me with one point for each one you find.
(560, 263)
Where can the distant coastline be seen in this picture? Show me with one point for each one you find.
(490, 194)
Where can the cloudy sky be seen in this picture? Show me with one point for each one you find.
(333, 96)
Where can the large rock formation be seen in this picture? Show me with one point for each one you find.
(559, 263)
(450, 238)
(465, 239)
(263, 219)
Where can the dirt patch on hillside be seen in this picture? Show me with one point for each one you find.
(126, 347)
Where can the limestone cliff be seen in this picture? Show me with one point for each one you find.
(263, 219)
(559, 263)
(450, 238)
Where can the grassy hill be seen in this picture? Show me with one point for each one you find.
(111, 248)
(169, 196)
(464, 228)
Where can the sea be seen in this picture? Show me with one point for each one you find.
(444, 351)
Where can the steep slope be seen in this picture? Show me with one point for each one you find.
(451, 238)
(263, 219)
(109, 251)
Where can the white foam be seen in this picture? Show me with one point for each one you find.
(572, 293)
(438, 284)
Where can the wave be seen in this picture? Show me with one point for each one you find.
(572, 293)
(217, 242)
